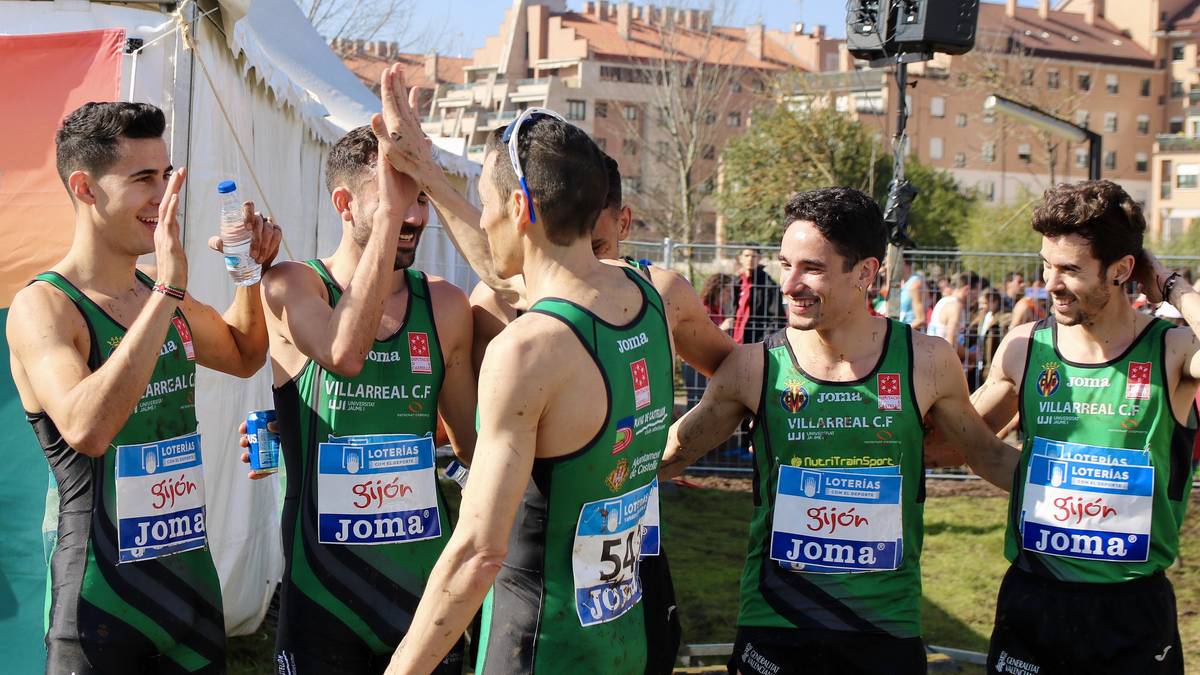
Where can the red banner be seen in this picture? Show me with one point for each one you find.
(42, 78)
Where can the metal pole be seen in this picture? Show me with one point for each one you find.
(894, 265)
(1095, 144)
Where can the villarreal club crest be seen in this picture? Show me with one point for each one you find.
(794, 397)
(1048, 380)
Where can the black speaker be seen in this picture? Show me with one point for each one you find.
(866, 25)
(946, 26)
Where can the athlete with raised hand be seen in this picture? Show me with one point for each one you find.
(832, 581)
(574, 399)
(1105, 396)
(365, 351)
(104, 356)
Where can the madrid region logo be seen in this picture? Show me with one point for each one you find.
(794, 397)
(1049, 380)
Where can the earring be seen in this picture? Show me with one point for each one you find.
(1116, 282)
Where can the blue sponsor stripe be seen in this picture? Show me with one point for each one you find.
(379, 528)
(363, 439)
(375, 458)
(134, 461)
(836, 486)
(605, 602)
(596, 518)
(1137, 481)
(1080, 451)
(650, 541)
(161, 529)
(1073, 543)
(840, 554)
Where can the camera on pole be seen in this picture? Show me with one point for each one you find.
(900, 32)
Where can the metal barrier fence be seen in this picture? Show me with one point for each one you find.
(998, 290)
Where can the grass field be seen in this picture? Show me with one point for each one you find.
(705, 538)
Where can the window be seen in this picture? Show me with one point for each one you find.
(1177, 52)
(1052, 79)
(989, 152)
(734, 119)
(1144, 90)
(709, 152)
(601, 108)
(1112, 83)
(710, 117)
(1175, 126)
(1187, 176)
(960, 160)
(629, 146)
(1142, 162)
(1081, 158)
(737, 87)
(962, 79)
(706, 188)
(1143, 124)
(989, 116)
(1024, 153)
(664, 114)
(937, 106)
(1110, 122)
(1083, 81)
(1164, 188)
(1027, 77)
(631, 113)
(960, 120)
(660, 149)
(1176, 89)
(1110, 160)
(987, 190)
(601, 143)
(1081, 118)
(576, 110)
(935, 148)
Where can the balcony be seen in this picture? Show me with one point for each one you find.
(1172, 143)
(495, 120)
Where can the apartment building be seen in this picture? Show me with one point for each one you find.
(369, 58)
(596, 67)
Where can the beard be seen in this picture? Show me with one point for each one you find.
(1087, 306)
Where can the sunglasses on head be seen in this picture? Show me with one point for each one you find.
(510, 135)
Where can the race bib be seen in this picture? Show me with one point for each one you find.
(377, 489)
(1087, 502)
(160, 498)
(650, 542)
(604, 559)
(834, 521)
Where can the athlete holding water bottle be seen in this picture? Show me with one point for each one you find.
(104, 356)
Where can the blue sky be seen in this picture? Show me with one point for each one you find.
(467, 23)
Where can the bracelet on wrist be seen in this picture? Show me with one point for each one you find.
(169, 290)
(1169, 285)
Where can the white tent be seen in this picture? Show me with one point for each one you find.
(252, 93)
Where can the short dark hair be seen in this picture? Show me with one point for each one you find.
(350, 159)
(1100, 211)
(613, 201)
(89, 136)
(1009, 276)
(848, 218)
(565, 173)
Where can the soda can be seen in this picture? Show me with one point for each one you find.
(264, 443)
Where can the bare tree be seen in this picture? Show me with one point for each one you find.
(690, 87)
(1002, 64)
(390, 20)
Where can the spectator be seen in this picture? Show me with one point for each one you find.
(1014, 290)
(717, 294)
(993, 322)
(950, 314)
(1031, 307)
(759, 301)
(912, 298)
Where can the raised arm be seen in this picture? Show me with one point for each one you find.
(411, 152)
(49, 339)
(508, 422)
(697, 339)
(340, 338)
(1152, 275)
(954, 418)
(732, 394)
(456, 404)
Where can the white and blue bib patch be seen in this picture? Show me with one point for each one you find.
(160, 498)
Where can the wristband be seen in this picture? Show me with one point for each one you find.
(169, 290)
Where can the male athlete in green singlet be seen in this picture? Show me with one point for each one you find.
(832, 582)
(1105, 396)
(104, 356)
(575, 396)
(366, 352)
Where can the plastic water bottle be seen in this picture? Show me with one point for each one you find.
(235, 239)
